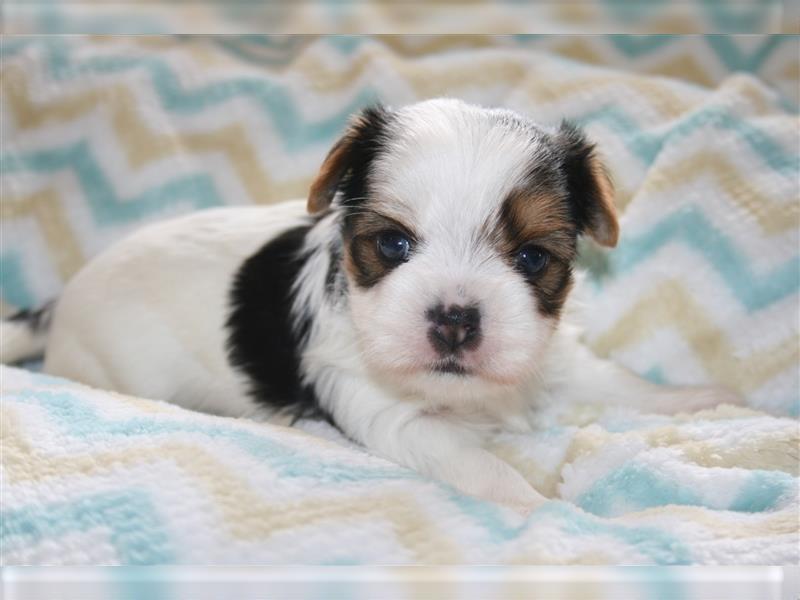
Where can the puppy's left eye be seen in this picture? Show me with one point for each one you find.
(394, 246)
(532, 260)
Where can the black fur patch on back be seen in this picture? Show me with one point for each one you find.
(262, 342)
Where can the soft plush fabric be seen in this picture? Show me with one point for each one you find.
(103, 135)
(95, 477)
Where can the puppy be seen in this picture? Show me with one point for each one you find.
(416, 303)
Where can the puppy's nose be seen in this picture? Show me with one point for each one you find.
(453, 329)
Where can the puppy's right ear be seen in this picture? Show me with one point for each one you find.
(354, 150)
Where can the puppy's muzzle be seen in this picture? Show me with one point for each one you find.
(454, 329)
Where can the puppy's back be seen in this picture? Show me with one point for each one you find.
(156, 303)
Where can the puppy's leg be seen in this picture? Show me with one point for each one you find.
(584, 377)
(431, 445)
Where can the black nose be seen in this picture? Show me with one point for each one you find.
(454, 329)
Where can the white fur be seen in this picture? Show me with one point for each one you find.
(445, 172)
(147, 317)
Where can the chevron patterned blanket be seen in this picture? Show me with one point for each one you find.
(101, 135)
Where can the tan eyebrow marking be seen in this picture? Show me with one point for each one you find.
(362, 258)
(543, 219)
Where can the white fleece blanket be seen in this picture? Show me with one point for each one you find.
(93, 477)
(102, 135)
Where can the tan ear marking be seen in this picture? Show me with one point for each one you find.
(604, 226)
(325, 184)
(356, 144)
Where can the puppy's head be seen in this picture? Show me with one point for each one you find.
(459, 228)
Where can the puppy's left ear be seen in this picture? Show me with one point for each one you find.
(354, 150)
(590, 188)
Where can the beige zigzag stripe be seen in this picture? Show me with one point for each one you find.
(507, 70)
(684, 66)
(669, 23)
(791, 71)
(773, 217)
(681, 67)
(247, 515)
(202, 50)
(434, 80)
(669, 305)
(45, 207)
(773, 450)
(143, 145)
(430, 80)
(739, 526)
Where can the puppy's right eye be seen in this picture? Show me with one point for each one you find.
(394, 246)
(532, 260)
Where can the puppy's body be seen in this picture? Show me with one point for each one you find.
(148, 316)
(418, 308)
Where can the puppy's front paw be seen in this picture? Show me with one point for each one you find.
(489, 478)
(694, 399)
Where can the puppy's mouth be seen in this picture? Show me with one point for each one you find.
(451, 367)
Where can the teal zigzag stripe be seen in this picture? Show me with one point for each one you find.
(53, 16)
(195, 191)
(661, 547)
(80, 420)
(691, 226)
(50, 18)
(754, 290)
(733, 18)
(736, 59)
(272, 97)
(297, 134)
(724, 17)
(198, 191)
(646, 145)
(10, 47)
(634, 46)
(729, 49)
(729, 52)
(136, 532)
(272, 50)
(634, 487)
(13, 285)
